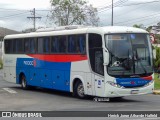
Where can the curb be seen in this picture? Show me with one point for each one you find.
(156, 92)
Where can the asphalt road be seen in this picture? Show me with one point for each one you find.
(13, 98)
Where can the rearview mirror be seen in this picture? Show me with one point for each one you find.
(106, 57)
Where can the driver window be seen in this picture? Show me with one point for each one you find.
(96, 53)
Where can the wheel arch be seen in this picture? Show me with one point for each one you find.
(75, 80)
(20, 76)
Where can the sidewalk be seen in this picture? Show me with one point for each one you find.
(156, 92)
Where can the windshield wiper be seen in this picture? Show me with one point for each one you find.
(141, 63)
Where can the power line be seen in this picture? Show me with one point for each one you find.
(125, 5)
(13, 15)
(6, 9)
(129, 20)
(34, 18)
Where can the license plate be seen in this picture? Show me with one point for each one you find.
(134, 91)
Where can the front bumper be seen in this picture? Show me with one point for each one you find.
(111, 91)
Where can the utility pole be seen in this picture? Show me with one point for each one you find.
(34, 18)
(112, 14)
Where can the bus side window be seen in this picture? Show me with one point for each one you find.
(62, 44)
(81, 44)
(26, 45)
(40, 45)
(14, 44)
(19, 46)
(46, 45)
(8, 46)
(72, 44)
(55, 44)
(32, 45)
(96, 53)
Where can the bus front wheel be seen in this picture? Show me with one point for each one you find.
(79, 90)
(23, 82)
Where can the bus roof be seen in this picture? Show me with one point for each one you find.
(81, 30)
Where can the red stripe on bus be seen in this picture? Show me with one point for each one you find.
(147, 78)
(59, 58)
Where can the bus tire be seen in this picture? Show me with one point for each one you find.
(79, 90)
(24, 82)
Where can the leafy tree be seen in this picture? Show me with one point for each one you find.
(157, 38)
(157, 60)
(69, 12)
(149, 28)
(138, 26)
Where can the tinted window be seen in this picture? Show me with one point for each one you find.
(26, 45)
(14, 45)
(72, 44)
(76, 44)
(19, 46)
(46, 45)
(96, 53)
(58, 44)
(29, 45)
(81, 43)
(8, 46)
(32, 45)
(55, 45)
(62, 44)
(95, 41)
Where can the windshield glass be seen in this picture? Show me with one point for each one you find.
(130, 54)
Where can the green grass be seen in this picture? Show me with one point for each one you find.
(156, 82)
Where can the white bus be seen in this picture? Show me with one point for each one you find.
(96, 61)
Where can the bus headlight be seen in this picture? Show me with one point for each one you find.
(149, 83)
(114, 84)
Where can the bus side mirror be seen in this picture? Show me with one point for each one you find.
(106, 57)
(154, 53)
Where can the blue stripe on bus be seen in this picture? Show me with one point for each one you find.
(54, 75)
(131, 82)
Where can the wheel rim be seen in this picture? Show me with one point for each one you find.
(23, 82)
(80, 90)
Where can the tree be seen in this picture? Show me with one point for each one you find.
(157, 60)
(157, 38)
(69, 12)
(138, 26)
(149, 28)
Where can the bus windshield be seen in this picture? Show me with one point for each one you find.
(130, 54)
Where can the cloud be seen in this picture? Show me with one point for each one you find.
(132, 13)
(2, 22)
(125, 14)
(26, 4)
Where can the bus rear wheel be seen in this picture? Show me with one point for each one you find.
(24, 82)
(79, 90)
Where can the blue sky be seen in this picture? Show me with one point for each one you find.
(14, 13)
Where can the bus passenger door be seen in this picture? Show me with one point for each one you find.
(99, 85)
(99, 68)
(90, 84)
(96, 62)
